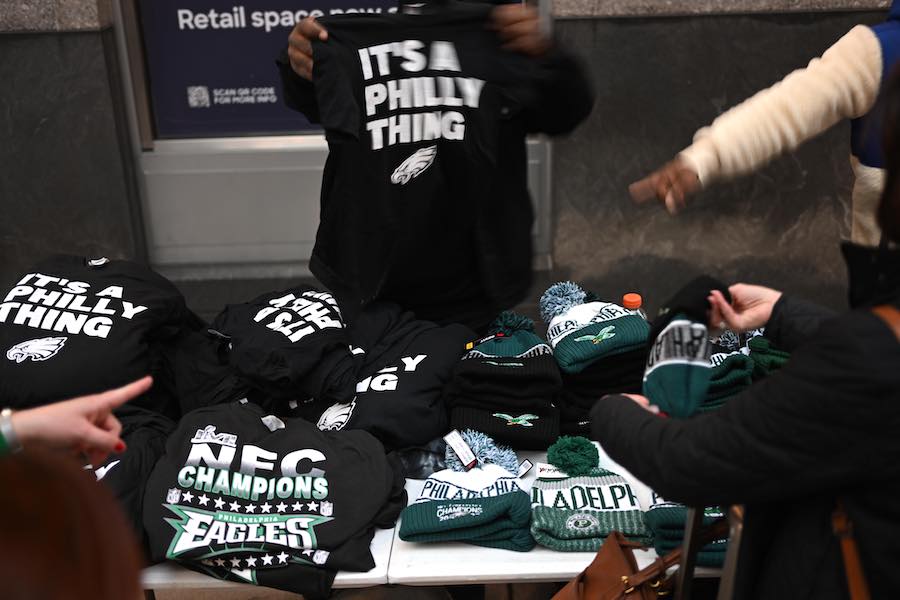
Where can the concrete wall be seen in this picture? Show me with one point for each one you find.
(657, 81)
(66, 176)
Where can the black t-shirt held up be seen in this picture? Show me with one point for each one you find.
(424, 196)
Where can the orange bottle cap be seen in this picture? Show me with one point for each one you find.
(632, 301)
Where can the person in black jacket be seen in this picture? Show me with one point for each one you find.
(823, 429)
(476, 281)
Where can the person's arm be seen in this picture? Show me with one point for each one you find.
(794, 321)
(842, 84)
(564, 94)
(788, 321)
(823, 422)
(81, 425)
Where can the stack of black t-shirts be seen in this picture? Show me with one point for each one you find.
(249, 497)
(73, 326)
(197, 364)
(617, 374)
(290, 346)
(403, 365)
(507, 386)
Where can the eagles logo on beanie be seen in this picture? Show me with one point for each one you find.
(676, 378)
(582, 333)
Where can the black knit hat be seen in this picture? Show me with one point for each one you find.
(506, 384)
(522, 430)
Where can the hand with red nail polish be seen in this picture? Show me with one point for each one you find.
(82, 425)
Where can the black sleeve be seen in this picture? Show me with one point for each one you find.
(794, 321)
(565, 95)
(299, 94)
(825, 421)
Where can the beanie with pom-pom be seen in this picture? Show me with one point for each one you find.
(486, 452)
(506, 386)
(582, 333)
(575, 508)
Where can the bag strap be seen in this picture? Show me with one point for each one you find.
(856, 578)
(890, 315)
(658, 568)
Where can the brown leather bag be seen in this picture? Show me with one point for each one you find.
(613, 574)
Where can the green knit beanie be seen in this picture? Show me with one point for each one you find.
(666, 521)
(575, 514)
(678, 369)
(732, 375)
(766, 358)
(582, 333)
(484, 506)
(511, 335)
(495, 522)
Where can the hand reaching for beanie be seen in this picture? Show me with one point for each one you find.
(750, 307)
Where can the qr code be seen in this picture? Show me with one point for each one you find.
(198, 96)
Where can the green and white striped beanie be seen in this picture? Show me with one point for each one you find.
(575, 514)
(582, 333)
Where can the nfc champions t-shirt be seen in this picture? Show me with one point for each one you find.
(247, 496)
(72, 326)
(411, 105)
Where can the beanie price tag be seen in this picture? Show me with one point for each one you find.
(471, 345)
(461, 448)
(525, 467)
(548, 471)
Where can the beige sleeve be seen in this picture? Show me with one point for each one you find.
(843, 83)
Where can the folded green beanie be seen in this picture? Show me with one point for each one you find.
(766, 358)
(496, 522)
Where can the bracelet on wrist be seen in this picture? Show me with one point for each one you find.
(10, 441)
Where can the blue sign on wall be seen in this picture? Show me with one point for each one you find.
(211, 64)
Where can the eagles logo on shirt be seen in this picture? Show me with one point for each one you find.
(414, 165)
(36, 350)
(336, 416)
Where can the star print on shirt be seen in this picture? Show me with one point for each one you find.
(312, 505)
(250, 508)
(219, 503)
(267, 559)
(234, 506)
(297, 507)
(187, 496)
(220, 562)
(251, 562)
(235, 562)
(265, 507)
(281, 507)
(282, 558)
(203, 500)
